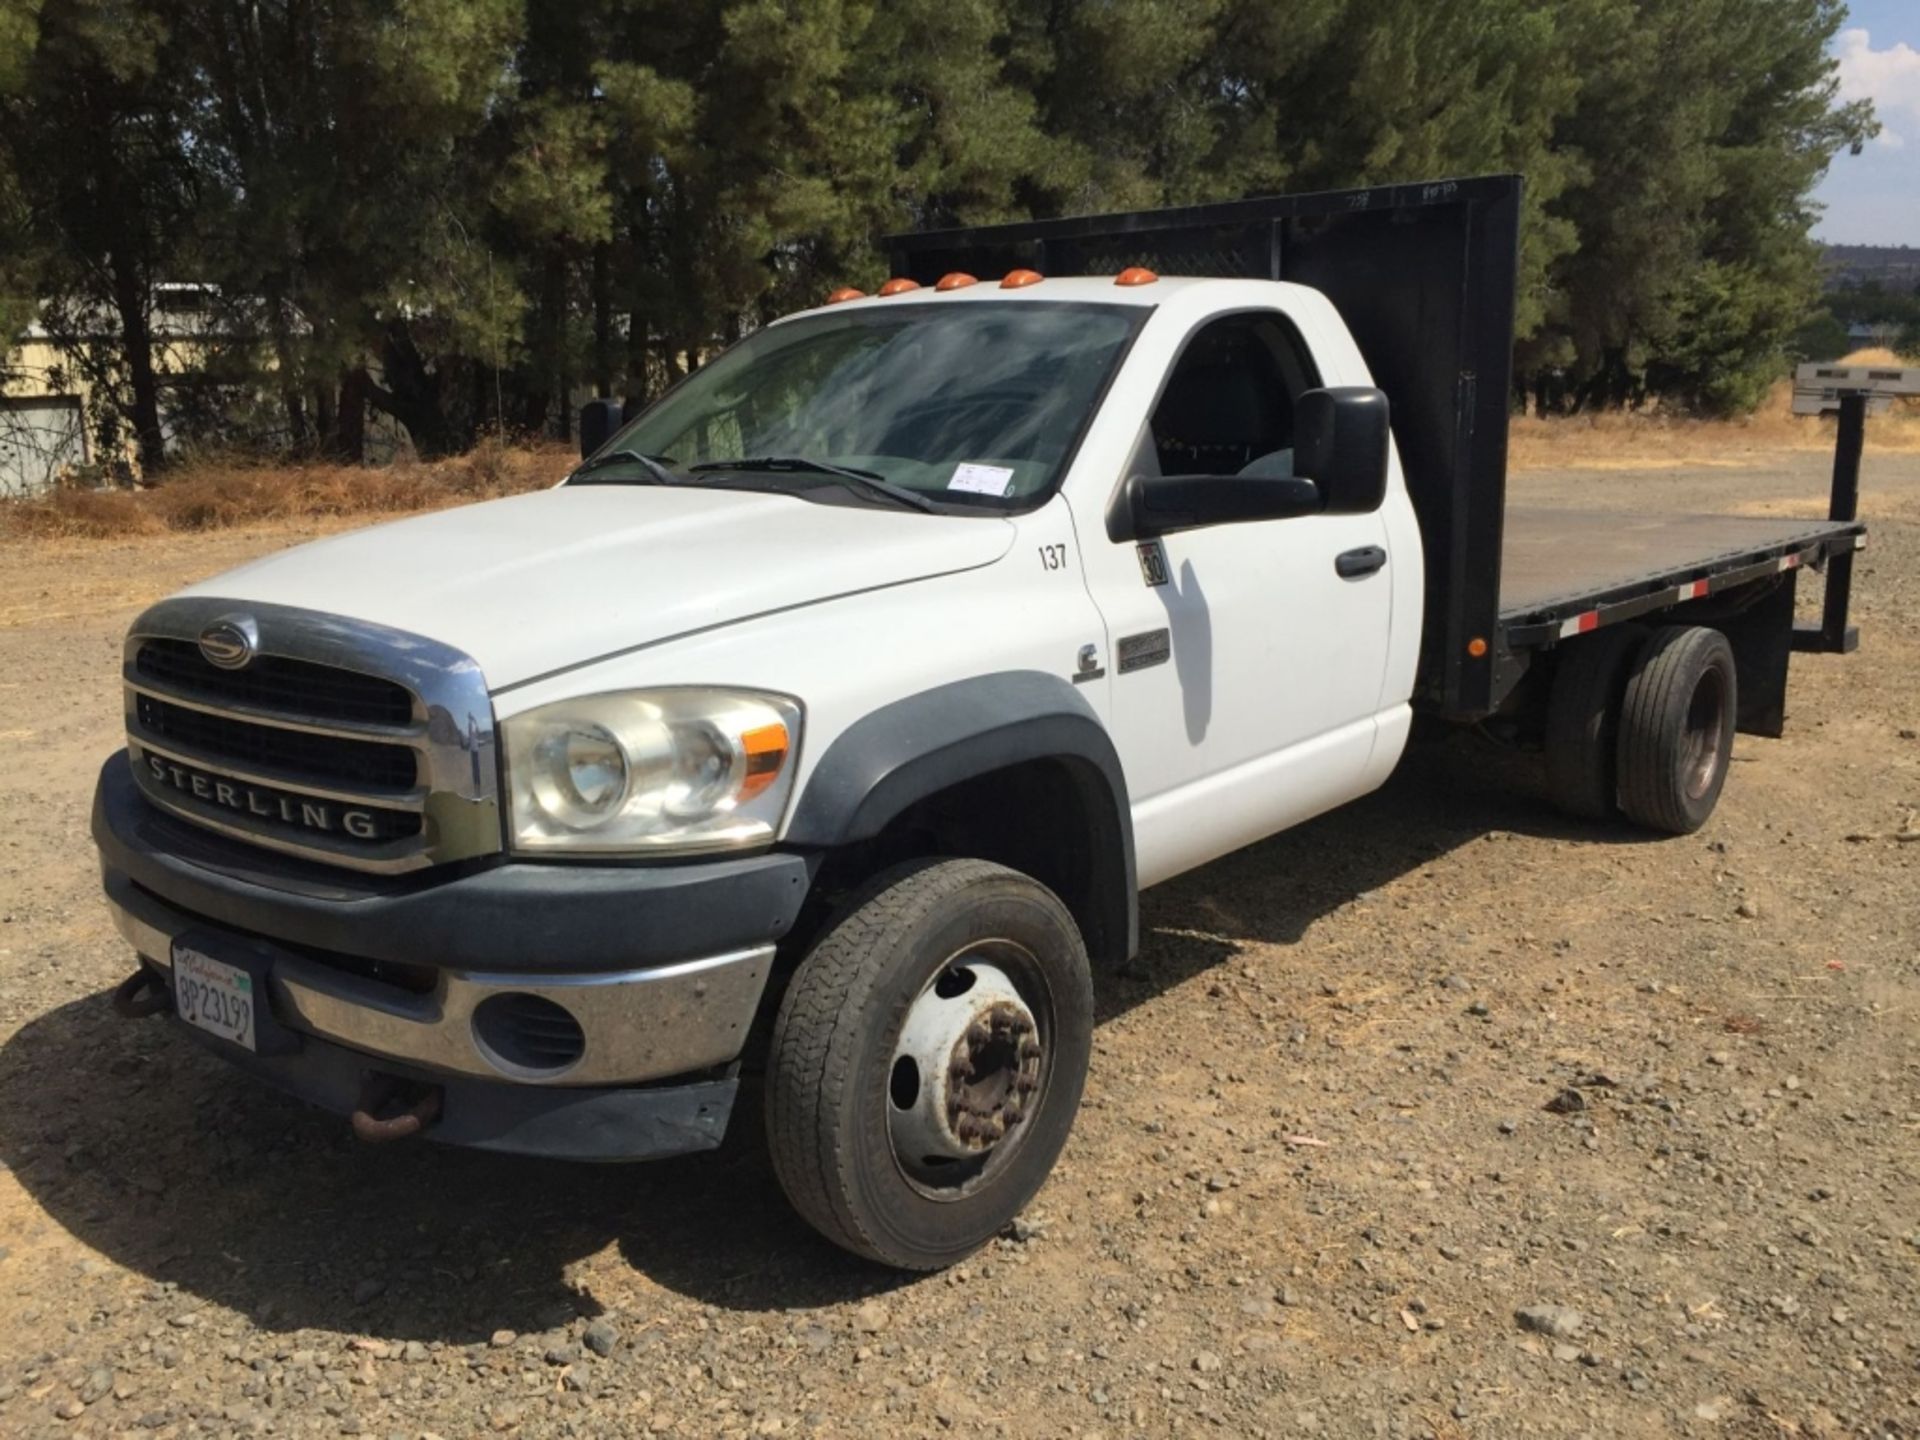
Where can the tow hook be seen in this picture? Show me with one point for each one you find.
(141, 994)
(391, 1108)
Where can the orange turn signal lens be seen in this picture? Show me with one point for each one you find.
(1020, 279)
(955, 280)
(1135, 275)
(899, 285)
(766, 750)
(1476, 647)
(845, 292)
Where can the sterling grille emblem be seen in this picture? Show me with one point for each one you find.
(230, 642)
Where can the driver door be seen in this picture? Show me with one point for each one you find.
(1246, 671)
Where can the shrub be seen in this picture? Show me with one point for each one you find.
(217, 493)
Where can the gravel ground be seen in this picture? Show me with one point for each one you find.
(1437, 1117)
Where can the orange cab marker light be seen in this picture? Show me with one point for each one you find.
(1020, 279)
(955, 280)
(845, 292)
(1476, 647)
(766, 750)
(899, 285)
(1135, 275)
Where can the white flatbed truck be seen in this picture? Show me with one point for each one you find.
(832, 714)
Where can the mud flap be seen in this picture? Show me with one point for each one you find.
(1762, 639)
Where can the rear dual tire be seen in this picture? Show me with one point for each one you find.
(1677, 721)
(1583, 721)
(1642, 725)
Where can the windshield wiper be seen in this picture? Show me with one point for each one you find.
(654, 465)
(865, 479)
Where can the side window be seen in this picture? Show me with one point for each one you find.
(1228, 406)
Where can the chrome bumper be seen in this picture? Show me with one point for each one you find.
(637, 1025)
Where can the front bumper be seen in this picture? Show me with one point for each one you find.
(635, 1025)
(661, 968)
(549, 1122)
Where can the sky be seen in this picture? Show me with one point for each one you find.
(1874, 198)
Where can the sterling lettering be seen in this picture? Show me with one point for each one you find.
(297, 811)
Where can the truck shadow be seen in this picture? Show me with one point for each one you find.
(154, 1153)
(1448, 792)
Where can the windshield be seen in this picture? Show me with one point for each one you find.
(979, 402)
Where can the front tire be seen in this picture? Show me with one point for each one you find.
(927, 1061)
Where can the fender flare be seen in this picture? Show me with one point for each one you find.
(918, 746)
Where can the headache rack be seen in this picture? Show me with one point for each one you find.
(1424, 276)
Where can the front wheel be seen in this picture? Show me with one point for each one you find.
(927, 1062)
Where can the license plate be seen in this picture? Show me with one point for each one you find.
(217, 997)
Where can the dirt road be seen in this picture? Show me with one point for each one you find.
(1314, 1181)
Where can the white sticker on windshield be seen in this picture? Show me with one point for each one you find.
(981, 479)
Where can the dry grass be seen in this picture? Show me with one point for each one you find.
(1647, 440)
(1873, 355)
(220, 494)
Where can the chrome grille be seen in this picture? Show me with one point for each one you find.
(378, 766)
(338, 740)
(297, 687)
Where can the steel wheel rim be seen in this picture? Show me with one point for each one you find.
(960, 1103)
(1705, 728)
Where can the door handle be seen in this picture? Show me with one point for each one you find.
(1352, 564)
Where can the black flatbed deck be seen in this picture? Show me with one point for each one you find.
(1564, 572)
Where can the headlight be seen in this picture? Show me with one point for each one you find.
(651, 771)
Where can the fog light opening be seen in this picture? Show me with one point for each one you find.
(527, 1036)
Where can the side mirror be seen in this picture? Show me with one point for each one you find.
(1340, 438)
(598, 420)
(1164, 504)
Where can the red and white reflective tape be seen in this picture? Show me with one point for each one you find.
(1859, 542)
(1789, 562)
(1692, 590)
(1580, 624)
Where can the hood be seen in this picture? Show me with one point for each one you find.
(544, 582)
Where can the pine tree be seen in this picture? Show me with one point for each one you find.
(94, 125)
(461, 213)
(19, 33)
(346, 224)
(1698, 135)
